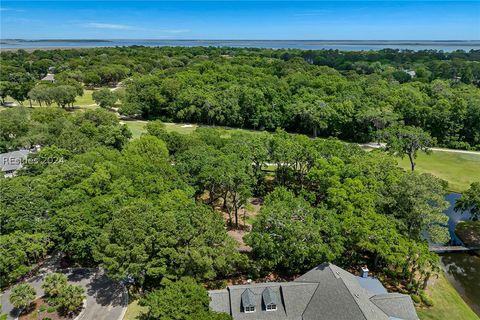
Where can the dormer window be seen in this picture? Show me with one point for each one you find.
(270, 299)
(248, 301)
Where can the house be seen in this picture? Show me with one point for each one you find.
(411, 73)
(49, 77)
(10, 162)
(326, 292)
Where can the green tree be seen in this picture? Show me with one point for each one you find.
(64, 95)
(313, 112)
(407, 141)
(71, 298)
(175, 238)
(14, 126)
(470, 200)
(4, 90)
(290, 235)
(417, 201)
(105, 98)
(54, 284)
(22, 295)
(19, 251)
(184, 299)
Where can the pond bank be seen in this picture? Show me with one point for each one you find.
(469, 233)
(462, 269)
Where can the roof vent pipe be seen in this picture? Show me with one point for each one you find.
(364, 272)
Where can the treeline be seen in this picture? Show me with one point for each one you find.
(145, 209)
(350, 95)
(266, 94)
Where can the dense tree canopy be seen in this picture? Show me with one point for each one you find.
(349, 94)
(156, 209)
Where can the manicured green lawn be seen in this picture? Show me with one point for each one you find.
(137, 127)
(448, 305)
(86, 99)
(134, 311)
(459, 169)
(180, 127)
(84, 102)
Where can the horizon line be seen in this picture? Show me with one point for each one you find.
(173, 39)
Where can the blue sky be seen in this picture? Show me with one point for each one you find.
(314, 20)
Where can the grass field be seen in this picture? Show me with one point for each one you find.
(86, 99)
(134, 311)
(137, 127)
(84, 102)
(448, 305)
(459, 169)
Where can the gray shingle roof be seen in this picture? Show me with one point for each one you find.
(49, 77)
(371, 284)
(395, 305)
(269, 296)
(12, 161)
(220, 299)
(326, 292)
(248, 298)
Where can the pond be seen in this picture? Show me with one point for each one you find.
(462, 269)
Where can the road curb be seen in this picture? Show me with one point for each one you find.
(125, 301)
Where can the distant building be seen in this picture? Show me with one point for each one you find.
(11, 162)
(49, 77)
(324, 293)
(411, 73)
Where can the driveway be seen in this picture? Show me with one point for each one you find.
(106, 299)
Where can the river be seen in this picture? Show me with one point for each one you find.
(462, 269)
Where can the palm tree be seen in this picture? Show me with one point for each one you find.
(54, 283)
(71, 298)
(22, 295)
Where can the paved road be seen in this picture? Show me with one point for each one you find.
(382, 145)
(106, 299)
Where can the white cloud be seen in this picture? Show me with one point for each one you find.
(98, 25)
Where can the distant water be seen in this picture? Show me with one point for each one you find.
(446, 46)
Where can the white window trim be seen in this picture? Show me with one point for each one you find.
(247, 310)
(273, 307)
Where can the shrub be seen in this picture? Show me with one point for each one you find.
(54, 283)
(42, 308)
(415, 298)
(51, 309)
(22, 295)
(71, 298)
(426, 299)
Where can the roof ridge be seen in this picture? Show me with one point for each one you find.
(354, 297)
(388, 295)
(310, 300)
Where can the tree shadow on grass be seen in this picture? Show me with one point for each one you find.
(105, 291)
